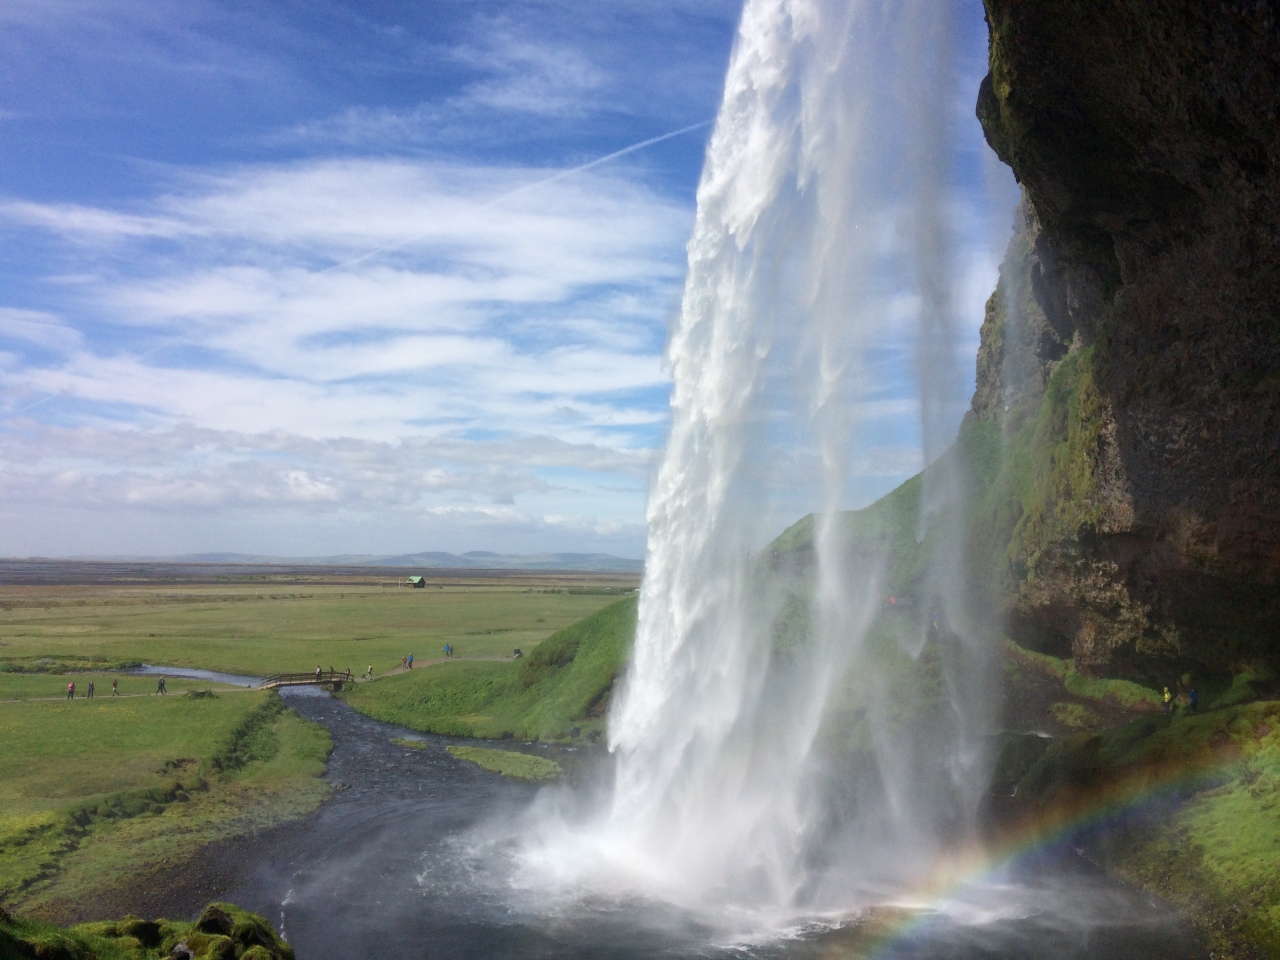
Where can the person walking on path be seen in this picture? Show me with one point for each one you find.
(411, 661)
(1193, 698)
(160, 688)
(319, 673)
(404, 663)
(89, 693)
(115, 688)
(1168, 701)
(368, 674)
(71, 690)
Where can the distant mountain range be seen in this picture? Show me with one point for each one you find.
(474, 560)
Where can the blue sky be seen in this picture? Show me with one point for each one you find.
(344, 277)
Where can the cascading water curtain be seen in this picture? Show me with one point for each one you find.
(766, 758)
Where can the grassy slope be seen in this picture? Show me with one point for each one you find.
(97, 792)
(1212, 842)
(1121, 692)
(249, 630)
(562, 684)
(889, 528)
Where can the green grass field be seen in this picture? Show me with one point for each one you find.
(97, 792)
(509, 763)
(257, 630)
(564, 683)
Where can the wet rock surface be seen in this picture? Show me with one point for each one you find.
(1147, 141)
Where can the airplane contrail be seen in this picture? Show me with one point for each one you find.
(36, 404)
(560, 175)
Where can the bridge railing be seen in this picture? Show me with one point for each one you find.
(300, 679)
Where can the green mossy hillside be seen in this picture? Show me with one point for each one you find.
(888, 532)
(1122, 693)
(1200, 794)
(223, 932)
(565, 683)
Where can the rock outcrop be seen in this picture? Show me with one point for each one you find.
(1131, 355)
(222, 932)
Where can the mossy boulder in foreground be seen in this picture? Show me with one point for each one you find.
(223, 932)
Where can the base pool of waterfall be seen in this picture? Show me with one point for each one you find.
(390, 868)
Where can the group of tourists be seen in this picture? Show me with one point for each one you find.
(448, 649)
(89, 691)
(333, 674)
(406, 663)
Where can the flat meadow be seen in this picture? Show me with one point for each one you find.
(286, 625)
(98, 796)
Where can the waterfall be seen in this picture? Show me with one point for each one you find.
(762, 759)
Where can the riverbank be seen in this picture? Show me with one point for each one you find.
(99, 794)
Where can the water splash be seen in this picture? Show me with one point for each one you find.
(821, 251)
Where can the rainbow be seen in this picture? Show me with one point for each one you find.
(1068, 813)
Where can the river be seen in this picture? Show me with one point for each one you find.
(388, 869)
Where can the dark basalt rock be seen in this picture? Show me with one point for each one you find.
(1146, 137)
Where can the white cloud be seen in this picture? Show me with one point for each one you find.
(87, 223)
(531, 77)
(229, 348)
(472, 493)
(39, 328)
(190, 468)
(491, 313)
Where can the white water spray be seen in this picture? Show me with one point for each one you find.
(763, 761)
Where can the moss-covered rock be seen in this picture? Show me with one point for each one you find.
(223, 932)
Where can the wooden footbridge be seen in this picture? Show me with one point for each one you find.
(316, 679)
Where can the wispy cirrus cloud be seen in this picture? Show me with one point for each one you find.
(38, 328)
(538, 78)
(244, 314)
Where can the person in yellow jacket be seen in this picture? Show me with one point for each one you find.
(1168, 701)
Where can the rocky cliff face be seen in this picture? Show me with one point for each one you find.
(1131, 354)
